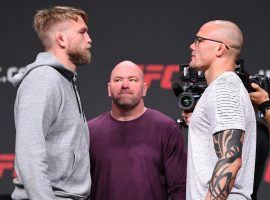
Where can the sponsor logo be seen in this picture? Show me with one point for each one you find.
(7, 164)
(159, 73)
(162, 74)
(7, 74)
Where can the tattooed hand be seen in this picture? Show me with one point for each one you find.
(228, 147)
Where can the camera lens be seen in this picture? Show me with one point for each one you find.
(186, 101)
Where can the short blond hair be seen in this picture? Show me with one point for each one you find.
(45, 18)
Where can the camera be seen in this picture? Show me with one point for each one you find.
(192, 84)
(189, 90)
(247, 79)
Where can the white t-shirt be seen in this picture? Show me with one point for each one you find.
(225, 104)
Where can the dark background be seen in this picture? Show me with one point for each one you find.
(145, 32)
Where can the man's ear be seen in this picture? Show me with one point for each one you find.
(61, 39)
(221, 48)
(109, 90)
(145, 88)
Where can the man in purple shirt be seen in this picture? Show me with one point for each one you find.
(136, 153)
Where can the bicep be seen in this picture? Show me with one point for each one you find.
(228, 143)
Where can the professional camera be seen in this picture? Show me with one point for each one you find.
(247, 79)
(193, 85)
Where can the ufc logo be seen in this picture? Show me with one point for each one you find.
(6, 164)
(160, 73)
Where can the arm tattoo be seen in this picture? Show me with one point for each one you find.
(228, 147)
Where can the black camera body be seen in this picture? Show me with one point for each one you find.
(192, 84)
(261, 80)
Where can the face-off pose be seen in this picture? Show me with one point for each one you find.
(222, 129)
(52, 138)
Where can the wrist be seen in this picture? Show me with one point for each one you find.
(263, 107)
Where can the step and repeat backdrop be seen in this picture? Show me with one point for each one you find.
(154, 34)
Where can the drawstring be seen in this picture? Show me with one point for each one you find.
(75, 85)
(72, 77)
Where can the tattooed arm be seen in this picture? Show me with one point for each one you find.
(228, 147)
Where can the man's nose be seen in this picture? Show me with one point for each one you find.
(125, 83)
(192, 46)
(88, 39)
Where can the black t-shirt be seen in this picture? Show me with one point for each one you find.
(262, 149)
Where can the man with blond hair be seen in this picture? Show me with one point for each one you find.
(222, 128)
(52, 139)
(137, 153)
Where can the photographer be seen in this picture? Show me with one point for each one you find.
(261, 99)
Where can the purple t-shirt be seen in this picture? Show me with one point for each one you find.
(141, 159)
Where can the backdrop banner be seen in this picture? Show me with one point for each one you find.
(154, 34)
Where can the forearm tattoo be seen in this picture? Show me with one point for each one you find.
(228, 147)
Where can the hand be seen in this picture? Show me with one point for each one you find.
(259, 96)
(186, 116)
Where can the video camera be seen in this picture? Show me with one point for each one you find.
(192, 84)
(190, 88)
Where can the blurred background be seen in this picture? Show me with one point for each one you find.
(155, 34)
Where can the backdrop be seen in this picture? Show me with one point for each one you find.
(155, 34)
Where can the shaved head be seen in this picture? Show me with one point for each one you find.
(225, 31)
(127, 66)
(216, 48)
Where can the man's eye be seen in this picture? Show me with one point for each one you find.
(82, 31)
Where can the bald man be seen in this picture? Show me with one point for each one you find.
(222, 129)
(137, 153)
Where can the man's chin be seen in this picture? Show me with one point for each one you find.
(126, 105)
(80, 59)
(191, 65)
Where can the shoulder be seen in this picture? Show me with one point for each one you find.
(41, 80)
(42, 75)
(100, 120)
(164, 125)
(229, 81)
(228, 85)
(158, 117)
(44, 72)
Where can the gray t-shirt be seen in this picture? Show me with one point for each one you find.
(225, 104)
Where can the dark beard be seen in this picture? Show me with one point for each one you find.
(79, 58)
